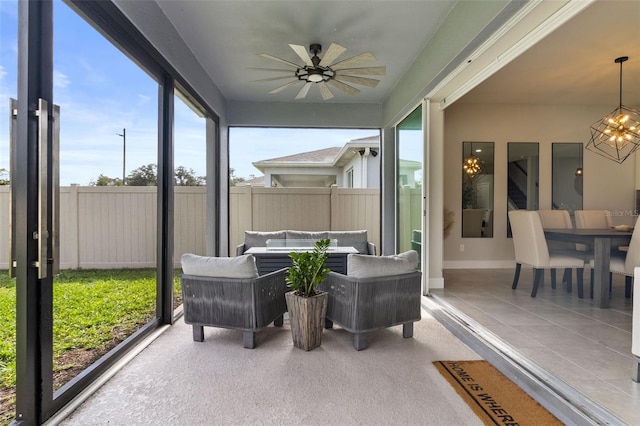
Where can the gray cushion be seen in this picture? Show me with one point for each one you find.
(259, 239)
(355, 239)
(224, 267)
(365, 266)
(306, 235)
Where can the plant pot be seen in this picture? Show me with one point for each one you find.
(306, 316)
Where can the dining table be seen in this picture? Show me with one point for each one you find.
(601, 240)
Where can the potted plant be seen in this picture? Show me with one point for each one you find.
(307, 305)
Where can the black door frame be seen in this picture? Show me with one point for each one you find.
(35, 399)
(34, 348)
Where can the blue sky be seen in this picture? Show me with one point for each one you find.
(101, 92)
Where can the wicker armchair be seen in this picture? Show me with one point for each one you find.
(247, 304)
(361, 305)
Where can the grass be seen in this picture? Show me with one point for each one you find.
(93, 310)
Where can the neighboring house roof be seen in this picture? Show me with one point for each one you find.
(319, 158)
(327, 157)
(409, 164)
(257, 181)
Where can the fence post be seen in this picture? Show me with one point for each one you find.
(333, 204)
(74, 228)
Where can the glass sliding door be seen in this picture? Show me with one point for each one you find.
(409, 171)
(9, 90)
(108, 157)
(190, 169)
(85, 180)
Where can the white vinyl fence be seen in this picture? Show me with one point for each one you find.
(303, 209)
(115, 227)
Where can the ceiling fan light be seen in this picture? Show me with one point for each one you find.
(315, 77)
(321, 71)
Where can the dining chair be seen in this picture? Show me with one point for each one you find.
(591, 219)
(597, 219)
(560, 219)
(625, 265)
(531, 249)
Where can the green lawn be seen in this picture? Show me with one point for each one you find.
(93, 311)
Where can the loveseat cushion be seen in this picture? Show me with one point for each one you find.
(224, 267)
(306, 235)
(365, 266)
(259, 238)
(355, 239)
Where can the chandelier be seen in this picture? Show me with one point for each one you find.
(617, 135)
(472, 165)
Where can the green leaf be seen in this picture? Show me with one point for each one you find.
(308, 269)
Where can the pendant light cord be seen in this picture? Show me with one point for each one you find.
(620, 60)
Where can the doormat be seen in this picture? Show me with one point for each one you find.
(494, 398)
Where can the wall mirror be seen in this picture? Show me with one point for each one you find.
(477, 189)
(566, 176)
(522, 177)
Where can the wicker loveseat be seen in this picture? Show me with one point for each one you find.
(228, 293)
(356, 239)
(377, 292)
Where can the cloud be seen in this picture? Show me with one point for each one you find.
(3, 72)
(60, 80)
(143, 99)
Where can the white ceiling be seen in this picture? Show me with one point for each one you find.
(574, 65)
(226, 37)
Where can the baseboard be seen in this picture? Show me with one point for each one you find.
(478, 264)
(436, 282)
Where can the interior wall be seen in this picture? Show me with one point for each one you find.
(607, 185)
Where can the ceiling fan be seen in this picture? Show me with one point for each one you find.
(323, 71)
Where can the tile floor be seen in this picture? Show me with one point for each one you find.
(586, 347)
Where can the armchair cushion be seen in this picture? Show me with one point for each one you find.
(355, 239)
(306, 235)
(224, 267)
(259, 239)
(363, 266)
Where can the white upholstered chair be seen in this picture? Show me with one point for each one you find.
(555, 219)
(597, 219)
(591, 219)
(635, 335)
(625, 265)
(560, 219)
(531, 249)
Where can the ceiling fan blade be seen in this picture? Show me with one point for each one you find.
(371, 82)
(332, 54)
(325, 91)
(269, 69)
(354, 60)
(350, 90)
(274, 58)
(362, 71)
(282, 77)
(303, 92)
(301, 51)
(284, 86)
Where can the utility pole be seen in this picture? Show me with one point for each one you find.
(124, 152)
